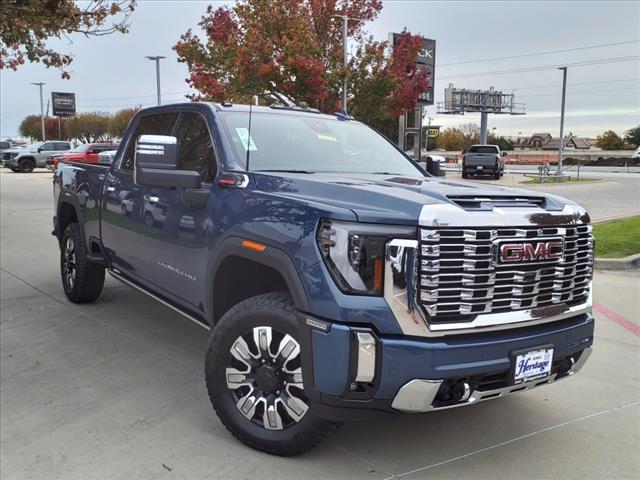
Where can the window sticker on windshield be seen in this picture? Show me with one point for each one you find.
(247, 141)
(327, 138)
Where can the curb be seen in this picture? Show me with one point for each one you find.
(631, 262)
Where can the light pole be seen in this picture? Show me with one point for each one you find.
(157, 60)
(345, 22)
(564, 96)
(40, 84)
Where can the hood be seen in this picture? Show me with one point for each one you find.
(388, 198)
(18, 149)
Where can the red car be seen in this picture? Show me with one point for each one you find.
(85, 153)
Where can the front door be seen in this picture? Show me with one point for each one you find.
(123, 206)
(176, 233)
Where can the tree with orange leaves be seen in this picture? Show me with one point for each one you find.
(291, 50)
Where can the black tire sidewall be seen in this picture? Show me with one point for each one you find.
(89, 277)
(27, 165)
(239, 321)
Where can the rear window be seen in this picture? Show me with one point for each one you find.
(4, 145)
(483, 149)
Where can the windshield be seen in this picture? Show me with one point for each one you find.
(483, 149)
(82, 148)
(35, 146)
(312, 144)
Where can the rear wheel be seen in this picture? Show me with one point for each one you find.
(254, 377)
(27, 165)
(82, 280)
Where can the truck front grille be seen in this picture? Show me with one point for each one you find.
(460, 276)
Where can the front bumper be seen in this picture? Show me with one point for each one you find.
(12, 163)
(411, 373)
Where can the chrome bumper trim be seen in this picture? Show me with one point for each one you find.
(366, 369)
(418, 395)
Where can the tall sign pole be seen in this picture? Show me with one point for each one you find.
(40, 84)
(564, 96)
(157, 60)
(345, 31)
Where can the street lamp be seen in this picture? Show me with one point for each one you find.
(345, 22)
(157, 60)
(40, 84)
(564, 94)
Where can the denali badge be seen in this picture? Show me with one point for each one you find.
(534, 251)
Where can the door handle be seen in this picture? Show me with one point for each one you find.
(150, 198)
(111, 189)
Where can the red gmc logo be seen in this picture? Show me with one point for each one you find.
(535, 251)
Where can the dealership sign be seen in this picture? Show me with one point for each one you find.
(425, 60)
(64, 104)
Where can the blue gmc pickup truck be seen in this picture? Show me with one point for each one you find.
(337, 278)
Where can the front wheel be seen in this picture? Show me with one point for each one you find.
(254, 378)
(82, 280)
(27, 165)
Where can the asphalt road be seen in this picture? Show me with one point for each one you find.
(115, 390)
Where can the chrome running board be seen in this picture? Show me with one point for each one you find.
(118, 276)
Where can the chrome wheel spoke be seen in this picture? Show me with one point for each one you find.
(271, 417)
(262, 339)
(247, 404)
(295, 407)
(236, 378)
(240, 351)
(288, 350)
(296, 378)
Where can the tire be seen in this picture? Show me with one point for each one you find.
(27, 165)
(82, 280)
(274, 316)
(148, 219)
(465, 174)
(497, 175)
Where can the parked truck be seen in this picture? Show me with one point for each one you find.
(27, 158)
(338, 280)
(483, 160)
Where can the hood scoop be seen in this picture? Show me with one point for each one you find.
(489, 202)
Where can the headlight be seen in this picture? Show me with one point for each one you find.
(354, 253)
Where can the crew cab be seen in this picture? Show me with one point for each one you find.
(27, 158)
(337, 279)
(85, 153)
(483, 160)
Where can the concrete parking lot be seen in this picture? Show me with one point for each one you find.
(115, 389)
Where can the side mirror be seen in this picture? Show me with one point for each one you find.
(503, 154)
(156, 164)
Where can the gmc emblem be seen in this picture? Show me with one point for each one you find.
(535, 251)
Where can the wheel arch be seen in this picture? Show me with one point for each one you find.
(238, 273)
(68, 211)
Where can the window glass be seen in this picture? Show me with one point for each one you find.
(160, 124)
(483, 149)
(61, 146)
(195, 146)
(47, 147)
(4, 145)
(314, 143)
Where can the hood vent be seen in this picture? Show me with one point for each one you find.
(489, 202)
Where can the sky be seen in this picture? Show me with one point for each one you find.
(472, 39)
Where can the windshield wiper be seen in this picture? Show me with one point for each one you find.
(284, 171)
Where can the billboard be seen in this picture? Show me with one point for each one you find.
(425, 60)
(64, 104)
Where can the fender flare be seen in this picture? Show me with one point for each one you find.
(271, 256)
(68, 198)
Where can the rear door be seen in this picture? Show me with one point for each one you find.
(176, 234)
(122, 214)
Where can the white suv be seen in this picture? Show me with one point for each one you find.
(32, 156)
